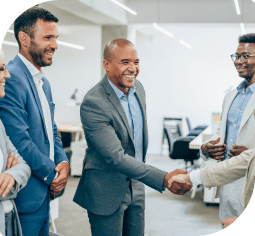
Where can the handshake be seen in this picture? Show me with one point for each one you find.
(178, 182)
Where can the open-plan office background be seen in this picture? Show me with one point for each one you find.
(181, 80)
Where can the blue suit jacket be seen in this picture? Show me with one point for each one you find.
(22, 116)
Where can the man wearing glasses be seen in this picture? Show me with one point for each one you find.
(236, 132)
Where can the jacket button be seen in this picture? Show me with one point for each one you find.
(45, 178)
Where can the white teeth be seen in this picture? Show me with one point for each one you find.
(129, 76)
(49, 53)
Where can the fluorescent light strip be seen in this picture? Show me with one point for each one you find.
(237, 7)
(70, 45)
(10, 43)
(123, 6)
(162, 30)
(242, 28)
(59, 42)
(185, 44)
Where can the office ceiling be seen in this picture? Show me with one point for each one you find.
(105, 12)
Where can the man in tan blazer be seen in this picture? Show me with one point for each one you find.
(236, 131)
(226, 172)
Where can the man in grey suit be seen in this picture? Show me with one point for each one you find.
(113, 114)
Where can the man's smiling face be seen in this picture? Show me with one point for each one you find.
(246, 70)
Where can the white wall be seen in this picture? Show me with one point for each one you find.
(71, 68)
(183, 82)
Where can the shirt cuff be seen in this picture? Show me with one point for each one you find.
(205, 157)
(195, 177)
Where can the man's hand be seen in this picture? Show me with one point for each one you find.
(6, 184)
(175, 187)
(228, 221)
(60, 182)
(181, 179)
(11, 161)
(236, 150)
(214, 150)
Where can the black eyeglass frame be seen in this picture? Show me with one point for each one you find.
(244, 58)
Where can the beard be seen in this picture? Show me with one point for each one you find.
(38, 55)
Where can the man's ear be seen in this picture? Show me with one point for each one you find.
(24, 39)
(106, 64)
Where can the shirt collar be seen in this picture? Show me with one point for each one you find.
(36, 74)
(242, 86)
(118, 92)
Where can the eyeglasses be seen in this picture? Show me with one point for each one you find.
(244, 58)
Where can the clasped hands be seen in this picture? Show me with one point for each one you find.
(216, 151)
(58, 184)
(178, 182)
(6, 180)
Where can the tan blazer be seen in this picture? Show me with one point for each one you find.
(246, 134)
(230, 170)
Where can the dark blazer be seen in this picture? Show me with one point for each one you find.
(22, 116)
(109, 164)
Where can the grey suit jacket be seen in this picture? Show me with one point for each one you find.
(20, 172)
(230, 170)
(109, 164)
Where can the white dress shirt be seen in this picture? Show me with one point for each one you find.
(195, 177)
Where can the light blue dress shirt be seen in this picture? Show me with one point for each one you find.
(235, 114)
(134, 116)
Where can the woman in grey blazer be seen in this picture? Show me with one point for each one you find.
(14, 172)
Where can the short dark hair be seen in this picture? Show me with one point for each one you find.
(27, 20)
(247, 38)
(113, 44)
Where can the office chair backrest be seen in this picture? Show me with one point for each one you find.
(188, 123)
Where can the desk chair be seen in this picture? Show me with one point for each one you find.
(200, 127)
(173, 124)
(181, 150)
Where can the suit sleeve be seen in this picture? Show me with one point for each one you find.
(15, 119)
(101, 133)
(20, 172)
(227, 171)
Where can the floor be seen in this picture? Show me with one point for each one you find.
(166, 214)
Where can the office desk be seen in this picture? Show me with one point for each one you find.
(196, 144)
(78, 146)
(71, 129)
(201, 138)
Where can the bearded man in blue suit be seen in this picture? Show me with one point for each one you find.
(27, 112)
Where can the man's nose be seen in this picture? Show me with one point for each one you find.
(238, 61)
(54, 44)
(7, 74)
(132, 67)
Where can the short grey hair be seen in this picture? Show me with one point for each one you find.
(1, 53)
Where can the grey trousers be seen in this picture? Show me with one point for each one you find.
(127, 220)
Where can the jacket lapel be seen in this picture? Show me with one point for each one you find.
(116, 103)
(33, 89)
(248, 111)
(145, 129)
